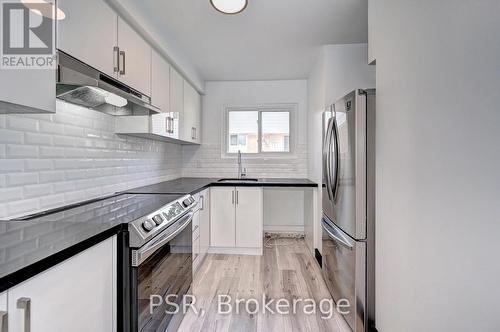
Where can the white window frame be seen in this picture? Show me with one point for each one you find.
(290, 108)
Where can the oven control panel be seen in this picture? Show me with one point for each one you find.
(143, 229)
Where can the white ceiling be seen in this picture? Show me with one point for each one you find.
(271, 39)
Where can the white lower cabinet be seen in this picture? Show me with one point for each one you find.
(201, 228)
(77, 295)
(236, 220)
(3, 311)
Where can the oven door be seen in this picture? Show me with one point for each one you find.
(162, 268)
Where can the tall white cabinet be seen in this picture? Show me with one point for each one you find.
(77, 295)
(191, 119)
(236, 220)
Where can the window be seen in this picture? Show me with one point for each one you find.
(275, 131)
(243, 130)
(256, 131)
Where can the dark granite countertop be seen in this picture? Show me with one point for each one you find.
(194, 185)
(33, 244)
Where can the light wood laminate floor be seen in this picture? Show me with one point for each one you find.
(287, 270)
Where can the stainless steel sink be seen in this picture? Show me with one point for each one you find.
(243, 180)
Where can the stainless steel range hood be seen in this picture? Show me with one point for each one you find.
(80, 84)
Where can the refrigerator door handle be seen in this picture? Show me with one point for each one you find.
(326, 159)
(335, 138)
(336, 234)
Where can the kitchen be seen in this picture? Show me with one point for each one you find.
(213, 155)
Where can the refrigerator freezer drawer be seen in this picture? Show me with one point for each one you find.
(344, 270)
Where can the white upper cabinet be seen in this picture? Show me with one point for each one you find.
(191, 119)
(176, 92)
(27, 91)
(89, 33)
(160, 82)
(135, 58)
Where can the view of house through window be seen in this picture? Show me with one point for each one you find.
(243, 131)
(249, 127)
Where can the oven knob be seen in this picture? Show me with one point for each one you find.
(158, 219)
(186, 202)
(148, 225)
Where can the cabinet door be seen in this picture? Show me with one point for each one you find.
(3, 311)
(77, 295)
(190, 130)
(29, 91)
(176, 93)
(204, 221)
(249, 217)
(135, 58)
(222, 214)
(160, 82)
(89, 33)
(196, 235)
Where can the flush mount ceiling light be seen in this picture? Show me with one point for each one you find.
(229, 6)
(47, 10)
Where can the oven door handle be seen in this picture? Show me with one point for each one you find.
(150, 248)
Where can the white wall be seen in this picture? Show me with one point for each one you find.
(339, 70)
(438, 157)
(207, 160)
(48, 161)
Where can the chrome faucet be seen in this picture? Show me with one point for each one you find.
(241, 174)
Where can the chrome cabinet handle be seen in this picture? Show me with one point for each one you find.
(202, 200)
(237, 195)
(122, 70)
(24, 303)
(193, 133)
(4, 321)
(170, 125)
(116, 59)
(232, 195)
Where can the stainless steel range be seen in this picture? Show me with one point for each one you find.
(160, 248)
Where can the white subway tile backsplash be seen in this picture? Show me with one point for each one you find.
(21, 151)
(51, 176)
(38, 139)
(22, 123)
(51, 127)
(74, 155)
(11, 165)
(38, 164)
(17, 179)
(10, 194)
(207, 161)
(51, 152)
(11, 136)
(37, 190)
(18, 208)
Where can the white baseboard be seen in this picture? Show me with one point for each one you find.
(283, 229)
(235, 251)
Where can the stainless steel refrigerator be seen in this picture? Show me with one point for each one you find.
(348, 202)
